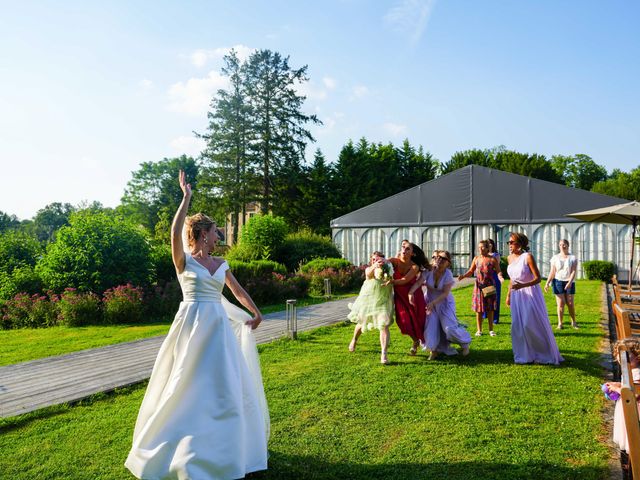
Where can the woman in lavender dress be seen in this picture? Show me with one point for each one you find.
(442, 327)
(531, 335)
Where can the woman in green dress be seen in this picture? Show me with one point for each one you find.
(374, 306)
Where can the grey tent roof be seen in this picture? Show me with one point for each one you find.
(475, 195)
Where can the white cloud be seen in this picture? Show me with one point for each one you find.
(410, 17)
(329, 82)
(201, 57)
(311, 91)
(329, 122)
(194, 96)
(359, 91)
(394, 129)
(191, 146)
(145, 84)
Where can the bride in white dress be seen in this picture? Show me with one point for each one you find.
(204, 415)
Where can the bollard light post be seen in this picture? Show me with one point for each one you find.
(292, 319)
(327, 287)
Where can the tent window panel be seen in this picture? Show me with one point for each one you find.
(460, 248)
(594, 242)
(545, 245)
(395, 240)
(436, 238)
(338, 241)
(346, 241)
(503, 237)
(484, 232)
(624, 254)
(373, 240)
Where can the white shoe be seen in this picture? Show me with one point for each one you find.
(478, 333)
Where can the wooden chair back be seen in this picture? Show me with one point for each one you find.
(623, 324)
(630, 412)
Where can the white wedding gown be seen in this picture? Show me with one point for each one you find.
(204, 415)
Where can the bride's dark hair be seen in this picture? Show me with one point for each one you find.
(196, 224)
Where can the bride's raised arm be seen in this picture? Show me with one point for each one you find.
(177, 249)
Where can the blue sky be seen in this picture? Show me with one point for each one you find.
(89, 90)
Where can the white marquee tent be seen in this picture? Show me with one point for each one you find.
(455, 211)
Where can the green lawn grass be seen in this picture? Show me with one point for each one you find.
(337, 414)
(26, 344)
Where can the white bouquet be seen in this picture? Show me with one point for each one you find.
(384, 272)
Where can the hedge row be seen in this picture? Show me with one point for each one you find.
(120, 305)
(266, 282)
(598, 270)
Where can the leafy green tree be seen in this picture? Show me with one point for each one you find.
(96, 251)
(368, 172)
(303, 246)
(8, 222)
(18, 249)
(318, 196)
(264, 233)
(49, 219)
(19, 253)
(154, 188)
(578, 171)
(229, 173)
(415, 166)
(288, 198)
(529, 165)
(622, 185)
(484, 158)
(349, 177)
(22, 279)
(278, 123)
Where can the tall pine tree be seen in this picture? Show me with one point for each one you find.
(229, 169)
(276, 116)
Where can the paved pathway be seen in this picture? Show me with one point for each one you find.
(28, 386)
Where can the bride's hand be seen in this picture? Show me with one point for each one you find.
(255, 322)
(184, 186)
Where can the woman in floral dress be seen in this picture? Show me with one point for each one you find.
(484, 265)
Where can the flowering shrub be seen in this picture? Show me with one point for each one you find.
(343, 280)
(78, 309)
(163, 301)
(29, 311)
(275, 288)
(123, 304)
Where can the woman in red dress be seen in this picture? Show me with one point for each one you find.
(410, 310)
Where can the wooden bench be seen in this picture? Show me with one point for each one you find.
(627, 321)
(630, 412)
(624, 296)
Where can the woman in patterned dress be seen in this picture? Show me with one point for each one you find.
(484, 266)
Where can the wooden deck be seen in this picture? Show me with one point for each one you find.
(28, 386)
